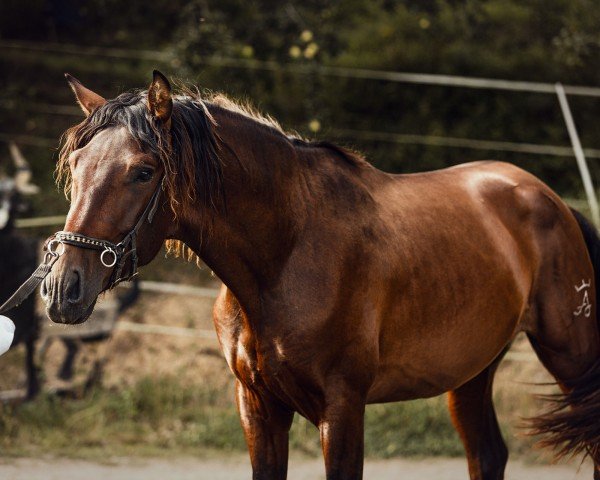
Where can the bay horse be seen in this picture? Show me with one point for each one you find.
(343, 285)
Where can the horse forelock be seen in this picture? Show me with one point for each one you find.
(188, 152)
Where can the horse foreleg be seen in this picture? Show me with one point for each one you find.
(473, 415)
(342, 436)
(33, 382)
(66, 370)
(266, 423)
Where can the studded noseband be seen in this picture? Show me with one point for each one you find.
(114, 255)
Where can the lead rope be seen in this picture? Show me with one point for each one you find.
(37, 277)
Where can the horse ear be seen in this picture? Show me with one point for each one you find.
(88, 100)
(160, 102)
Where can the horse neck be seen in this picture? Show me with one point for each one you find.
(246, 243)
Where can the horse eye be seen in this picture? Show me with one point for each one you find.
(144, 175)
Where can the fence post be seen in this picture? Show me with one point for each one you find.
(579, 156)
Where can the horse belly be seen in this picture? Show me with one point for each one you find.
(431, 345)
(409, 374)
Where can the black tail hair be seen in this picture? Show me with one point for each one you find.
(572, 425)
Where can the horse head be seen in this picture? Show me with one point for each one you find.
(114, 164)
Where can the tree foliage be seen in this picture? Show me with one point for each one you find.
(534, 40)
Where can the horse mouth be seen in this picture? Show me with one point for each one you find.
(71, 315)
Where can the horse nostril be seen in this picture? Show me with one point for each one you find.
(73, 288)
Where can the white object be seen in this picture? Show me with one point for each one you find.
(7, 333)
(4, 213)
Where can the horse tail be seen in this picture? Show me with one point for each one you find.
(572, 425)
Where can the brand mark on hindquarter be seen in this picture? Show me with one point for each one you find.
(586, 306)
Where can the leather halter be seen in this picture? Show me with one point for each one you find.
(119, 251)
(114, 255)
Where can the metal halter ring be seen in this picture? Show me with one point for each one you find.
(53, 247)
(104, 262)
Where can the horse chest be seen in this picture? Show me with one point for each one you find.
(265, 368)
(253, 365)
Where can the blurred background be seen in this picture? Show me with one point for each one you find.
(150, 379)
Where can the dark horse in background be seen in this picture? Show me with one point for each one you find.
(344, 285)
(18, 258)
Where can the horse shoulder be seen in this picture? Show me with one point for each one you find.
(253, 346)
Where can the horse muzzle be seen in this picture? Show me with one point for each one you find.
(64, 293)
(70, 297)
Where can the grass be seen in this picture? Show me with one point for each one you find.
(416, 428)
(149, 417)
(160, 416)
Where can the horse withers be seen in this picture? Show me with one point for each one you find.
(343, 285)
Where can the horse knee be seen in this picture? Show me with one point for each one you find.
(33, 381)
(266, 423)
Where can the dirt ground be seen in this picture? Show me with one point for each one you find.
(237, 467)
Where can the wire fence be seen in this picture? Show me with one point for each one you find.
(312, 69)
(389, 137)
(304, 69)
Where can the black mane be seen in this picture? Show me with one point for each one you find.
(190, 160)
(193, 169)
(348, 156)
